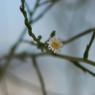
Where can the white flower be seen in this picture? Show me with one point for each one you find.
(55, 44)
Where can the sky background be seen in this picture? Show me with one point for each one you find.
(68, 17)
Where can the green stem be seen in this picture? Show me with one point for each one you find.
(76, 37)
(70, 58)
(86, 53)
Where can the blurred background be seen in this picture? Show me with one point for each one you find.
(68, 18)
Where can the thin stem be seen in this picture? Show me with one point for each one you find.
(66, 57)
(84, 69)
(42, 13)
(18, 42)
(35, 8)
(74, 60)
(44, 3)
(76, 37)
(86, 53)
(27, 7)
(70, 58)
(39, 75)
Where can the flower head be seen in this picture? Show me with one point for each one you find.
(55, 44)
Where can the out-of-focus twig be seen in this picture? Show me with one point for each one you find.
(74, 60)
(39, 75)
(62, 56)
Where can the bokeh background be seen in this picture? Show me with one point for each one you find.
(68, 18)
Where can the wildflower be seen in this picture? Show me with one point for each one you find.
(55, 44)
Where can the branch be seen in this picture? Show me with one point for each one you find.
(15, 46)
(39, 75)
(62, 56)
(70, 58)
(22, 8)
(84, 69)
(76, 37)
(42, 13)
(74, 60)
(86, 53)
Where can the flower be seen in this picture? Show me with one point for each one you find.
(55, 44)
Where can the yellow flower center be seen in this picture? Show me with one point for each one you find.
(55, 44)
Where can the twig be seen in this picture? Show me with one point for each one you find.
(74, 60)
(39, 75)
(76, 37)
(29, 27)
(42, 13)
(84, 69)
(62, 56)
(86, 53)
(15, 46)
(70, 58)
